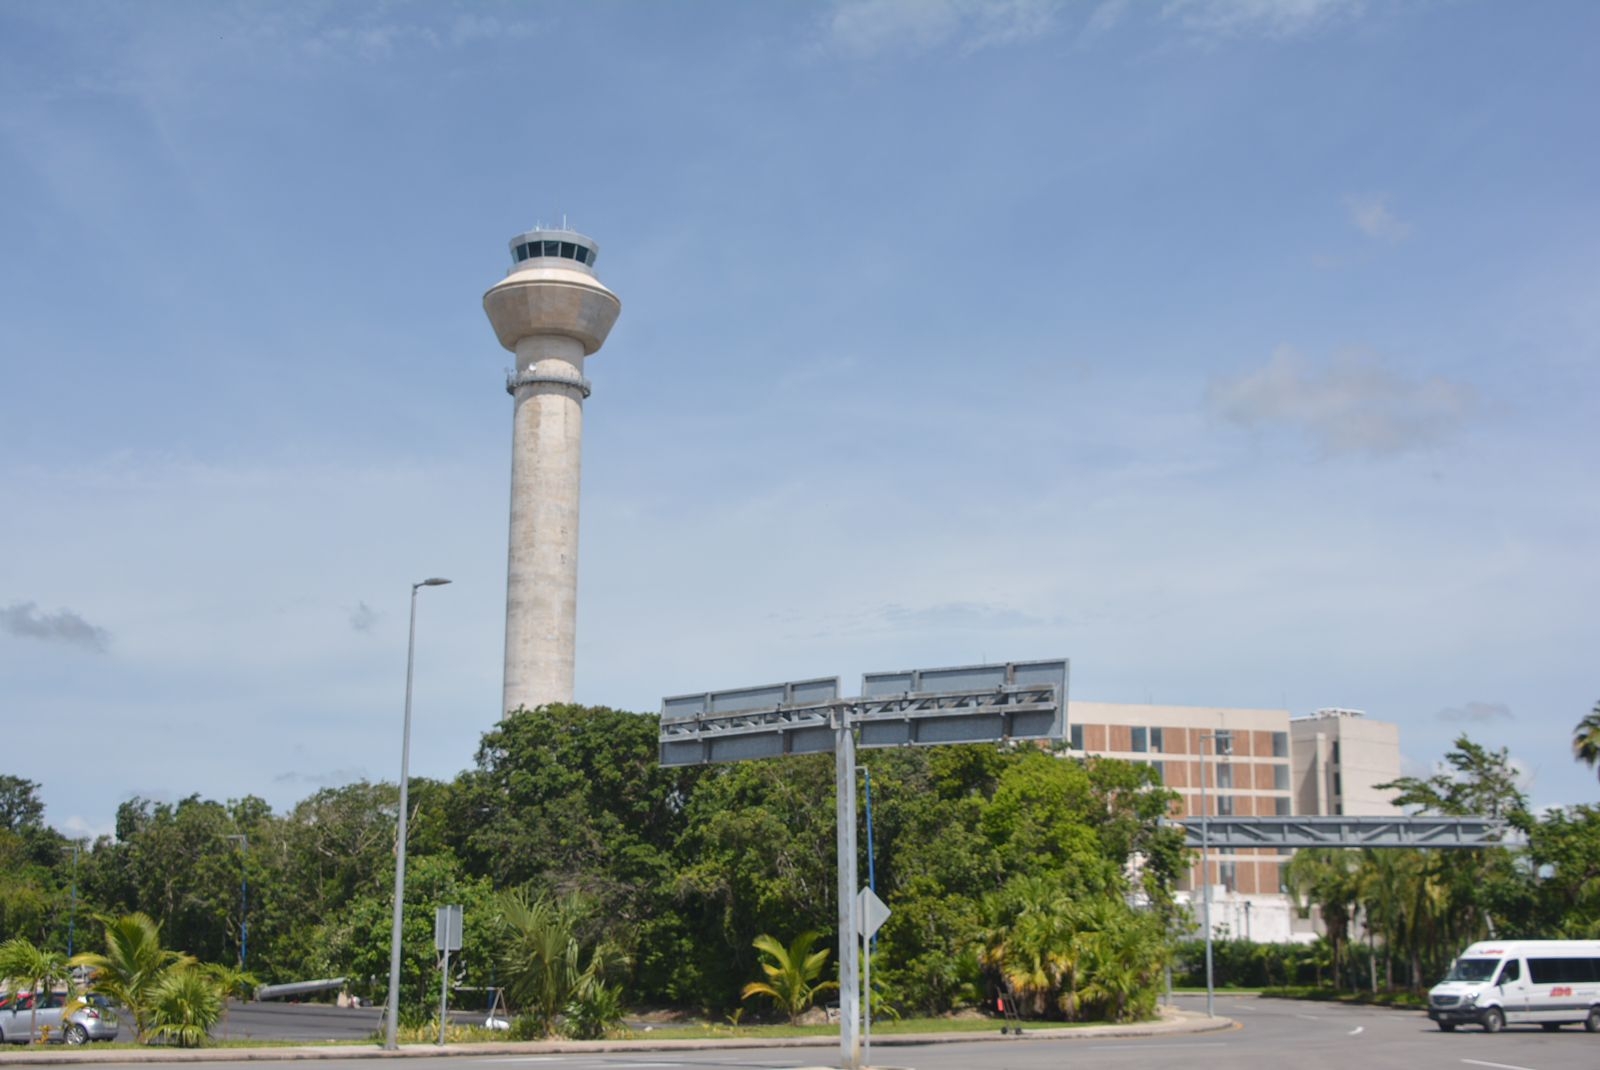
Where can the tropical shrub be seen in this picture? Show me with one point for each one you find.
(133, 967)
(184, 1005)
(28, 968)
(792, 973)
(595, 1011)
(553, 955)
(1062, 957)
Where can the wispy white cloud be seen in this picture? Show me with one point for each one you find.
(1259, 18)
(332, 778)
(1371, 215)
(1352, 404)
(870, 27)
(24, 621)
(372, 41)
(1476, 713)
(1105, 16)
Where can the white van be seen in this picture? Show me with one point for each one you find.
(1551, 982)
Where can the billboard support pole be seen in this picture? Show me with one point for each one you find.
(844, 775)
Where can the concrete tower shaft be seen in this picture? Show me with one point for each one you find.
(552, 312)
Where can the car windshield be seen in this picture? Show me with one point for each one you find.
(1472, 970)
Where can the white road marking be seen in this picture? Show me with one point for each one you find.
(1309, 1017)
(1497, 1066)
(1357, 1029)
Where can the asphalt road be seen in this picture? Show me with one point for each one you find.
(1271, 1033)
(296, 1021)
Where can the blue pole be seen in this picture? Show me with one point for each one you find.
(872, 876)
(872, 880)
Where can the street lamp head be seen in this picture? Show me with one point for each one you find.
(432, 581)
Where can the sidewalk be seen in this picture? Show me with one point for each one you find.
(1173, 1022)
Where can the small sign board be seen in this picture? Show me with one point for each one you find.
(447, 929)
(871, 913)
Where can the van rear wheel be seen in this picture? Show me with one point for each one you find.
(1592, 1023)
(1494, 1020)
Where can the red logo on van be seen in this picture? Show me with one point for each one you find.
(1560, 990)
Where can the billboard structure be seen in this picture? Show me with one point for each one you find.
(909, 708)
(1002, 702)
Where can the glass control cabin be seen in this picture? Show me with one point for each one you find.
(561, 244)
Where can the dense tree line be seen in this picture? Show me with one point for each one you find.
(1000, 864)
(1004, 867)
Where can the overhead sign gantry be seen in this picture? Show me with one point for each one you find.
(1013, 700)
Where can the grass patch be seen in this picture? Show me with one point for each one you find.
(1395, 998)
(890, 1027)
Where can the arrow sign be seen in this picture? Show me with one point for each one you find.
(871, 913)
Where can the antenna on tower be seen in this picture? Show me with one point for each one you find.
(563, 221)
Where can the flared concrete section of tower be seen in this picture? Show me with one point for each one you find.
(552, 312)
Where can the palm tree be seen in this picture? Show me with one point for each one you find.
(231, 982)
(184, 1004)
(543, 954)
(133, 965)
(1325, 877)
(1586, 740)
(792, 973)
(31, 969)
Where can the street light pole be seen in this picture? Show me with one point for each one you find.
(72, 910)
(391, 1031)
(1205, 872)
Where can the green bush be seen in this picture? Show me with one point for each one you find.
(595, 1012)
(529, 1026)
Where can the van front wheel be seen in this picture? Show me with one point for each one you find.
(1592, 1023)
(1447, 1027)
(1494, 1020)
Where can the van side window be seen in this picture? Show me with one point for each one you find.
(1511, 971)
(1563, 971)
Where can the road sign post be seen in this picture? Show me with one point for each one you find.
(871, 913)
(446, 938)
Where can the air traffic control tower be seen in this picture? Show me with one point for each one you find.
(552, 312)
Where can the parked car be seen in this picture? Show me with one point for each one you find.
(95, 1020)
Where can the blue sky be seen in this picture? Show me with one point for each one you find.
(1245, 352)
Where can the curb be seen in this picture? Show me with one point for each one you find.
(1174, 1023)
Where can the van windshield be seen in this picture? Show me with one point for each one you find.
(1472, 970)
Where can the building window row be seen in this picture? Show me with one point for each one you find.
(1148, 739)
(565, 249)
(1224, 805)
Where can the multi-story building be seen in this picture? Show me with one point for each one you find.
(1340, 758)
(1228, 762)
